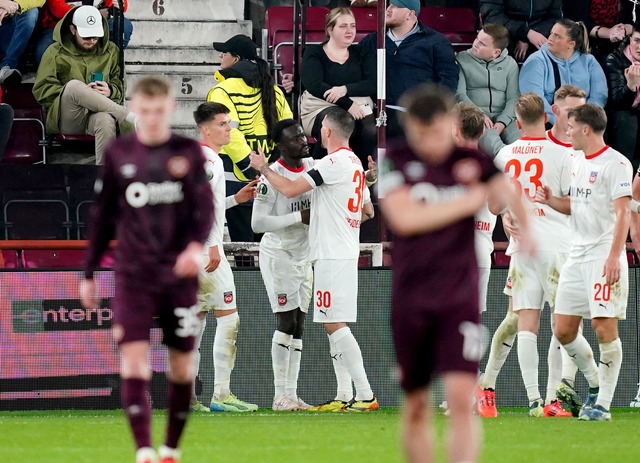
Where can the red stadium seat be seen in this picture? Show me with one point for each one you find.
(457, 24)
(26, 141)
(366, 22)
(9, 259)
(500, 259)
(52, 259)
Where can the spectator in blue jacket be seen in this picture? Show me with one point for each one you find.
(415, 54)
(564, 59)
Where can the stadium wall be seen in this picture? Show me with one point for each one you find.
(54, 354)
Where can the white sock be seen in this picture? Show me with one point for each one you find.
(352, 358)
(569, 366)
(554, 361)
(131, 118)
(280, 352)
(501, 345)
(528, 360)
(345, 391)
(580, 351)
(196, 358)
(291, 384)
(608, 371)
(224, 354)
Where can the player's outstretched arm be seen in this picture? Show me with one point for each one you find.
(246, 193)
(545, 196)
(611, 268)
(262, 221)
(289, 188)
(407, 216)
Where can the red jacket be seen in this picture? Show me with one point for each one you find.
(54, 10)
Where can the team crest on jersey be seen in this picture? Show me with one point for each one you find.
(282, 299)
(228, 297)
(128, 170)
(509, 284)
(178, 166)
(466, 171)
(593, 177)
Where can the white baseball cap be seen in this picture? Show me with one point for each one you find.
(88, 21)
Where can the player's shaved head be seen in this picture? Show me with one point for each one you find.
(208, 111)
(591, 115)
(340, 122)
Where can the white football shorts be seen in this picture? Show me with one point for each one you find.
(288, 286)
(483, 286)
(583, 291)
(217, 289)
(530, 278)
(335, 291)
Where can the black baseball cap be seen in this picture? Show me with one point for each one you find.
(239, 45)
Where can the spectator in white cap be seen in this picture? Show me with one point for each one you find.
(79, 81)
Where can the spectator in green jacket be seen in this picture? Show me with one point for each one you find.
(79, 81)
(17, 21)
(489, 80)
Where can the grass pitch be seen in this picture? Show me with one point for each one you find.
(103, 437)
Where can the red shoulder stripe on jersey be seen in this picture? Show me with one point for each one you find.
(342, 148)
(289, 168)
(532, 138)
(597, 153)
(556, 141)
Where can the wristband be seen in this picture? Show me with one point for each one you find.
(598, 32)
(633, 205)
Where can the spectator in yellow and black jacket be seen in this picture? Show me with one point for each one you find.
(246, 87)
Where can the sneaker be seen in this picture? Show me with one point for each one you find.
(568, 395)
(146, 455)
(231, 404)
(168, 455)
(536, 410)
(486, 403)
(199, 407)
(590, 401)
(10, 76)
(330, 406)
(595, 413)
(284, 404)
(635, 403)
(302, 405)
(362, 405)
(555, 410)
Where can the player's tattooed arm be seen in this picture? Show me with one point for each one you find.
(367, 212)
(372, 173)
(289, 188)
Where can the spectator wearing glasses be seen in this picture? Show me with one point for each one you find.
(18, 19)
(79, 82)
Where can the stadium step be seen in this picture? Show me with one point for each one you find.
(168, 55)
(185, 34)
(163, 10)
(189, 84)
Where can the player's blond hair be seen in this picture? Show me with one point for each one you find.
(152, 87)
(569, 91)
(332, 18)
(470, 120)
(529, 108)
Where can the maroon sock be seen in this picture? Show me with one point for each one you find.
(137, 407)
(179, 406)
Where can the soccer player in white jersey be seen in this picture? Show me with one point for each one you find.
(635, 238)
(217, 290)
(284, 260)
(530, 162)
(340, 202)
(594, 282)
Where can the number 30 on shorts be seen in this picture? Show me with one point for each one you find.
(323, 299)
(601, 292)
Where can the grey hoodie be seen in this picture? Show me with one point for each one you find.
(490, 85)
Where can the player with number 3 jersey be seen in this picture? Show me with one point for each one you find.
(340, 202)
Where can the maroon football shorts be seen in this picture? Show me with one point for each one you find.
(175, 306)
(435, 341)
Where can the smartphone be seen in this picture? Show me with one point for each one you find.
(97, 77)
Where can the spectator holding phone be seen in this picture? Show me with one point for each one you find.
(76, 103)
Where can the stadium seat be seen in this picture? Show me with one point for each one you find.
(9, 259)
(52, 259)
(34, 202)
(81, 181)
(26, 142)
(366, 22)
(457, 24)
(500, 259)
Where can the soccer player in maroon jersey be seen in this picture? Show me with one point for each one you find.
(153, 195)
(429, 195)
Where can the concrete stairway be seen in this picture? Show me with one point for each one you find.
(174, 38)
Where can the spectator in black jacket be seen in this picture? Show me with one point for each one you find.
(622, 68)
(529, 22)
(6, 121)
(415, 54)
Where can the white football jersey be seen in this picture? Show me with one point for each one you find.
(291, 242)
(531, 163)
(484, 222)
(553, 139)
(215, 173)
(597, 181)
(340, 190)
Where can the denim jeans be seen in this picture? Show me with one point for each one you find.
(15, 33)
(46, 38)
(6, 121)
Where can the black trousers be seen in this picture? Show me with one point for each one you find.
(6, 122)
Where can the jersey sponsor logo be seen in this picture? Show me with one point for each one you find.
(579, 192)
(593, 177)
(482, 225)
(128, 170)
(228, 297)
(301, 205)
(178, 166)
(433, 194)
(37, 316)
(139, 194)
(282, 299)
(263, 189)
(466, 171)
